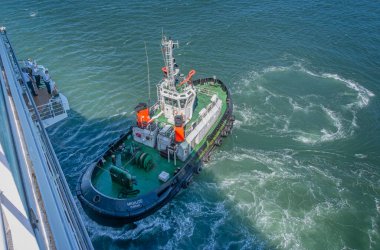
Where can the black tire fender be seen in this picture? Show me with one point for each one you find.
(198, 169)
(224, 133)
(218, 142)
(206, 158)
(187, 182)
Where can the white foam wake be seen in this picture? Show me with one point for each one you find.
(264, 106)
(363, 93)
(327, 135)
(287, 199)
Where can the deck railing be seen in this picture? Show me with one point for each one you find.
(3, 230)
(207, 92)
(49, 110)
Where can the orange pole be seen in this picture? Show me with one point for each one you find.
(189, 76)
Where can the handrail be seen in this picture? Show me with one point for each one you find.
(2, 223)
(49, 110)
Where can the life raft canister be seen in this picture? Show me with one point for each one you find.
(142, 115)
(179, 130)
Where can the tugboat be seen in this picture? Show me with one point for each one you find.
(147, 166)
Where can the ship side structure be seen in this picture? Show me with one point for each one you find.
(37, 210)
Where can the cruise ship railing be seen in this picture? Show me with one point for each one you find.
(71, 211)
(49, 110)
(4, 236)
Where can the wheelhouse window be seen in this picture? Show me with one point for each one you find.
(182, 103)
(168, 101)
(171, 102)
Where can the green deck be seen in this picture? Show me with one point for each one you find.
(148, 180)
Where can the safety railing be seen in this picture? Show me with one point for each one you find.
(49, 110)
(206, 92)
(3, 229)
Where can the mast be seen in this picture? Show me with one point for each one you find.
(147, 64)
(167, 47)
(174, 100)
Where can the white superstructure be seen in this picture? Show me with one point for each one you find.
(207, 118)
(174, 111)
(175, 96)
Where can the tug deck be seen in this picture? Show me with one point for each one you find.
(147, 181)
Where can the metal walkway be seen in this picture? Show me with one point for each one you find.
(49, 204)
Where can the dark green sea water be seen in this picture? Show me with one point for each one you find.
(302, 167)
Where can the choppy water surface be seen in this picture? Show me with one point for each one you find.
(301, 170)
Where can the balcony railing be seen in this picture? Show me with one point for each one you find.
(49, 110)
